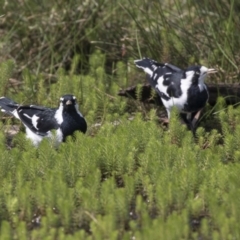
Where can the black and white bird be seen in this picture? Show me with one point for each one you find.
(39, 121)
(184, 89)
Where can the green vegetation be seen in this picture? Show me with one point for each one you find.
(128, 177)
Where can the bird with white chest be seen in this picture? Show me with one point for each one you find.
(40, 121)
(184, 89)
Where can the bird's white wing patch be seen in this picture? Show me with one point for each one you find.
(162, 88)
(35, 121)
(181, 101)
(26, 115)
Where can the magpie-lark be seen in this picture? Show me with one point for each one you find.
(184, 89)
(39, 121)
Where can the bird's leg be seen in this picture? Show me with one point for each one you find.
(195, 119)
(189, 116)
(165, 120)
(168, 113)
(190, 125)
(186, 118)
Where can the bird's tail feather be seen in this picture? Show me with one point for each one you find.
(146, 64)
(149, 66)
(8, 106)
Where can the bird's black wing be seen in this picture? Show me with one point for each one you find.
(166, 68)
(164, 77)
(173, 84)
(155, 70)
(39, 119)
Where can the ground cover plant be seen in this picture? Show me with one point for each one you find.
(129, 177)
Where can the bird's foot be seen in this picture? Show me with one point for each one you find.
(195, 119)
(193, 123)
(164, 120)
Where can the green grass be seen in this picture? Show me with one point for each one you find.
(128, 177)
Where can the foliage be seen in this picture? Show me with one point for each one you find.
(46, 35)
(128, 177)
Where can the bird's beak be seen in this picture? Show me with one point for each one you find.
(69, 102)
(211, 70)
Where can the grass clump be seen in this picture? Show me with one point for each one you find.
(127, 177)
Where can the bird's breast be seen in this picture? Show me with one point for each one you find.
(197, 98)
(72, 122)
